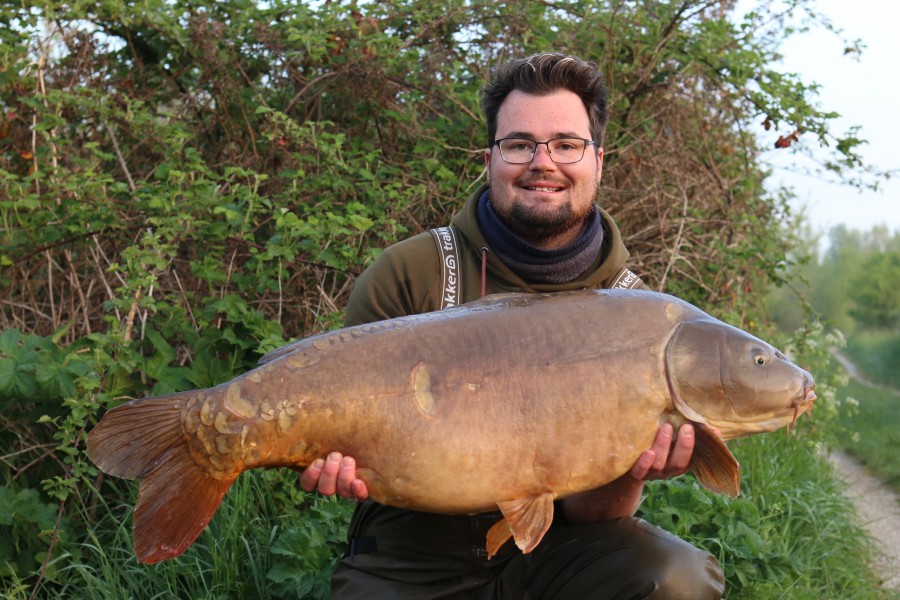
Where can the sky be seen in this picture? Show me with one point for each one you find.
(866, 92)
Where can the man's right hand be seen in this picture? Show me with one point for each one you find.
(335, 474)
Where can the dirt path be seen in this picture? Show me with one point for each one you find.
(855, 374)
(878, 505)
(879, 511)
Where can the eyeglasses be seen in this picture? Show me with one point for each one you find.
(562, 151)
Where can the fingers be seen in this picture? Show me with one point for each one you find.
(643, 465)
(346, 476)
(665, 459)
(309, 478)
(683, 450)
(661, 445)
(336, 474)
(328, 479)
(359, 490)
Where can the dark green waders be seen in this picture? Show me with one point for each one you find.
(410, 555)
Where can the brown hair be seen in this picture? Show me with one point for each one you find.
(545, 73)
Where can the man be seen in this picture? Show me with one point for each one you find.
(535, 228)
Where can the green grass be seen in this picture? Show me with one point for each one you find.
(268, 540)
(791, 534)
(873, 437)
(870, 414)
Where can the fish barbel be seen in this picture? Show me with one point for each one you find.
(509, 402)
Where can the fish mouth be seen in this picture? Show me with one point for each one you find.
(804, 404)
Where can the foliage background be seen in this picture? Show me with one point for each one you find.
(855, 286)
(185, 185)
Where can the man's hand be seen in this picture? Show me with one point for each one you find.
(664, 460)
(621, 497)
(335, 474)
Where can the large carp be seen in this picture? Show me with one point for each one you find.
(511, 402)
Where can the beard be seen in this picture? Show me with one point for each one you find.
(539, 223)
(532, 225)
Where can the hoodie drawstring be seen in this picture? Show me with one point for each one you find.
(484, 254)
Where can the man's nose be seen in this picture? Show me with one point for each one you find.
(542, 159)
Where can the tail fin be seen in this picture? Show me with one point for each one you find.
(144, 440)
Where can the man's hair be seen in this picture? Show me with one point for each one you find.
(546, 73)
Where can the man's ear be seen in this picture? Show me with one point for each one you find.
(487, 159)
(599, 163)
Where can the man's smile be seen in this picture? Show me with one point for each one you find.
(543, 186)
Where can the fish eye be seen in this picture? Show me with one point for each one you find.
(760, 358)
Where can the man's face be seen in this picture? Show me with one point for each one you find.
(543, 202)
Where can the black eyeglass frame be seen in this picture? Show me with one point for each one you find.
(587, 143)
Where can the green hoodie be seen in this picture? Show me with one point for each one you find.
(406, 278)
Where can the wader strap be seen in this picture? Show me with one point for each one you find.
(625, 280)
(448, 250)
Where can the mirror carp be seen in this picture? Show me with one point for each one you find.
(509, 402)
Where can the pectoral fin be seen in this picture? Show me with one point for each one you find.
(526, 520)
(714, 465)
(497, 536)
